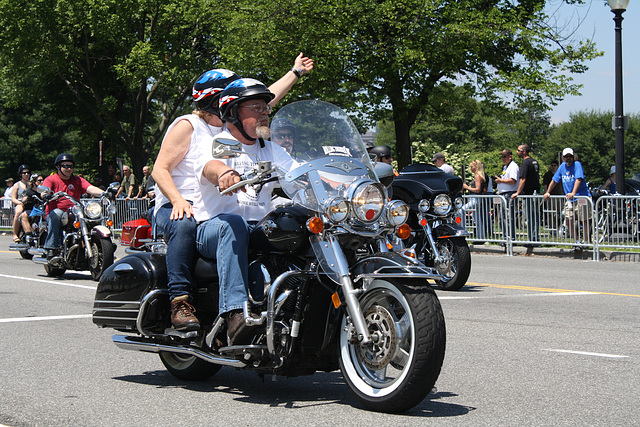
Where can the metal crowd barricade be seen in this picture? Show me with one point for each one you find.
(486, 218)
(6, 212)
(530, 220)
(617, 222)
(127, 210)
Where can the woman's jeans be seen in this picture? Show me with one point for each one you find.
(225, 238)
(180, 235)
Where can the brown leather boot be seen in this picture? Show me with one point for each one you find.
(182, 317)
(238, 332)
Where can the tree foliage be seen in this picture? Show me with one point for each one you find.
(380, 56)
(127, 65)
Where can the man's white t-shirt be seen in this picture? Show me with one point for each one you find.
(511, 171)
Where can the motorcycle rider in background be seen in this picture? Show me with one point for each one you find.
(23, 173)
(175, 177)
(225, 236)
(28, 202)
(75, 186)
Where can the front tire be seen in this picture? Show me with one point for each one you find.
(399, 370)
(456, 266)
(189, 368)
(102, 249)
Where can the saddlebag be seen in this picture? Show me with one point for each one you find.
(135, 233)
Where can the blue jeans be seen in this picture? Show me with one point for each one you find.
(225, 238)
(181, 250)
(54, 229)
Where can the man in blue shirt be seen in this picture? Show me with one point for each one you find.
(571, 174)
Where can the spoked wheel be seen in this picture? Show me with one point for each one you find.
(102, 250)
(187, 367)
(456, 264)
(399, 368)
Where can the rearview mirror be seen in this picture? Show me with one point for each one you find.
(225, 148)
(43, 189)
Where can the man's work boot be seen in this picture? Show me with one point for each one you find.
(182, 317)
(238, 332)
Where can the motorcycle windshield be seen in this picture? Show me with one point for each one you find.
(328, 149)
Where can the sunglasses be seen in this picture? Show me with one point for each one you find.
(504, 156)
(25, 172)
(66, 166)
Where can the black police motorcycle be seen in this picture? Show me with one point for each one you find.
(329, 293)
(436, 231)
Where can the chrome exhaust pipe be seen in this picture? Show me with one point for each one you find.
(18, 247)
(40, 260)
(141, 344)
(36, 251)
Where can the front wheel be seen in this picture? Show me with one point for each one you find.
(102, 250)
(455, 265)
(54, 271)
(188, 368)
(398, 370)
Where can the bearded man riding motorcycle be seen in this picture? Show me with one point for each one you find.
(225, 236)
(176, 212)
(75, 186)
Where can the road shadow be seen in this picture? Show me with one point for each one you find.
(321, 388)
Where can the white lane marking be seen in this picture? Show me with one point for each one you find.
(584, 353)
(541, 294)
(49, 282)
(35, 319)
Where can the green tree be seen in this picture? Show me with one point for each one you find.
(590, 135)
(376, 56)
(127, 65)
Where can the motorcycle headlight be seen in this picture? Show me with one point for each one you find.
(424, 206)
(442, 204)
(368, 201)
(397, 213)
(112, 209)
(337, 209)
(93, 210)
(77, 211)
(459, 203)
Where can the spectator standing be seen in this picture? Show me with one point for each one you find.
(146, 185)
(610, 183)
(528, 185)
(6, 204)
(439, 160)
(112, 175)
(479, 185)
(571, 174)
(128, 185)
(553, 208)
(507, 184)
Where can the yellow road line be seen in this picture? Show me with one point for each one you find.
(531, 288)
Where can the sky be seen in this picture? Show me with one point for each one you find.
(594, 20)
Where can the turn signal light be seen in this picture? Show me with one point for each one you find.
(404, 231)
(110, 223)
(315, 225)
(423, 222)
(336, 300)
(76, 224)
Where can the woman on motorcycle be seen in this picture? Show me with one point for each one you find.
(30, 196)
(23, 173)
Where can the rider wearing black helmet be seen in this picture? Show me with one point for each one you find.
(383, 154)
(23, 174)
(75, 186)
(283, 133)
(244, 106)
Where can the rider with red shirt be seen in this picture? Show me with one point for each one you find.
(75, 186)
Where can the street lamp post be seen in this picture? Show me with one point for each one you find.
(619, 120)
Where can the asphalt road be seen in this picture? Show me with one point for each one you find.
(530, 341)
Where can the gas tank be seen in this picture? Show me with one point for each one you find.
(284, 229)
